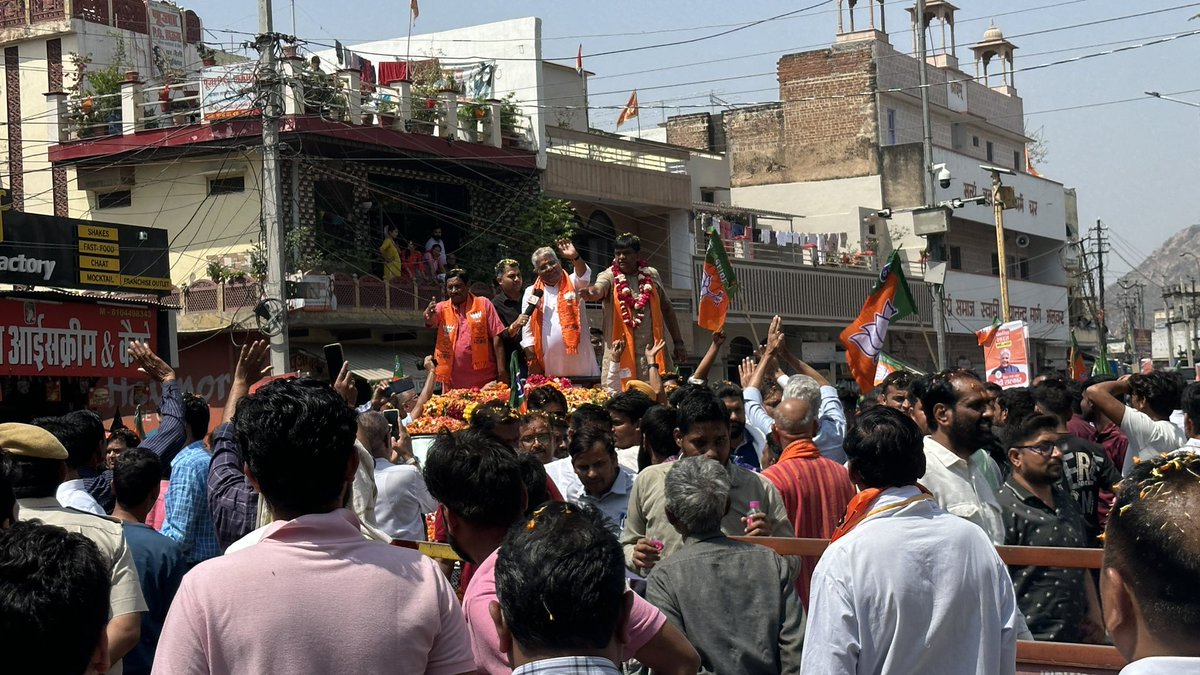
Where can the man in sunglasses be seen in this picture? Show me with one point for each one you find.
(1059, 604)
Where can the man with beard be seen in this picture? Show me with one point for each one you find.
(469, 347)
(960, 421)
(479, 481)
(1039, 512)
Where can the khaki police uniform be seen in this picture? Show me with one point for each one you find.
(125, 597)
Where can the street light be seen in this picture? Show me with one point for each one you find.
(1155, 94)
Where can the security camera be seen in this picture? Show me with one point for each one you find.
(943, 175)
(997, 169)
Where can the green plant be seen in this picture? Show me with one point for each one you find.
(510, 114)
(543, 221)
(323, 93)
(471, 112)
(96, 99)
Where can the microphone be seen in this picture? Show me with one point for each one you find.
(537, 299)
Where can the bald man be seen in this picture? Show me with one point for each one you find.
(815, 489)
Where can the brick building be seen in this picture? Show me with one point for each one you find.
(844, 141)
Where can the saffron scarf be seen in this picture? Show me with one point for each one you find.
(622, 331)
(568, 318)
(800, 449)
(447, 337)
(860, 509)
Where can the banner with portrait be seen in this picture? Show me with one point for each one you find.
(1006, 358)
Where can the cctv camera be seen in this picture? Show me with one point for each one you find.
(943, 175)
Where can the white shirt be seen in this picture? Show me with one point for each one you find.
(1148, 438)
(557, 361)
(832, 418)
(1192, 445)
(429, 244)
(911, 590)
(627, 457)
(962, 489)
(71, 494)
(403, 500)
(614, 504)
(1163, 665)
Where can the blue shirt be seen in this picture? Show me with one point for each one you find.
(160, 567)
(188, 520)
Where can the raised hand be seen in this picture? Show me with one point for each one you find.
(618, 348)
(149, 362)
(566, 250)
(344, 385)
(718, 338)
(253, 363)
(746, 371)
(653, 350)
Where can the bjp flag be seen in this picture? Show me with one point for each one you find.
(985, 336)
(717, 284)
(1078, 371)
(889, 301)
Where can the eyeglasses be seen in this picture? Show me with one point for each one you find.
(1045, 449)
(534, 439)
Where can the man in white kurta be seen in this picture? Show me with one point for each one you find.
(553, 279)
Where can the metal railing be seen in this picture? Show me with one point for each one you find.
(614, 150)
(343, 293)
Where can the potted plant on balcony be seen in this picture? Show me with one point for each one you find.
(426, 84)
(208, 55)
(470, 114)
(510, 116)
(386, 111)
(95, 106)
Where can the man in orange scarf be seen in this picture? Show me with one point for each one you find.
(556, 337)
(636, 309)
(815, 489)
(929, 590)
(468, 337)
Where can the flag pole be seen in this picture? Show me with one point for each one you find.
(408, 45)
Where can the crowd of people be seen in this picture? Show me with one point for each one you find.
(602, 539)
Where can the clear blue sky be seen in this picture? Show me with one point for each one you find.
(1136, 164)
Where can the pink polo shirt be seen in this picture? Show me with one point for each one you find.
(645, 620)
(314, 596)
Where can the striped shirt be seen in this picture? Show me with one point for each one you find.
(815, 494)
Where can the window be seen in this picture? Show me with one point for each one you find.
(891, 126)
(114, 200)
(995, 265)
(226, 186)
(975, 141)
(708, 196)
(1017, 161)
(956, 257)
(990, 152)
(1024, 265)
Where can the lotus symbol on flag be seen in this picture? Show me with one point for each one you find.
(706, 290)
(869, 337)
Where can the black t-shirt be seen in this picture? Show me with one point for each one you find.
(509, 310)
(1087, 469)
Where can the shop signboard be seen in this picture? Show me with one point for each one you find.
(42, 250)
(50, 338)
(229, 91)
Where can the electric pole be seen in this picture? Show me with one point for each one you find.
(272, 195)
(1100, 251)
(935, 242)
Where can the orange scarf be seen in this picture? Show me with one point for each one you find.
(447, 337)
(622, 331)
(859, 508)
(801, 449)
(568, 318)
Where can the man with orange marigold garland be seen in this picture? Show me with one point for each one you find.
(636, 310)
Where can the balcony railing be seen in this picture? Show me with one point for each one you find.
(741, 248)
(141, 106)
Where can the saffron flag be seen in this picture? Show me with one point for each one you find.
(889, 301)
(985, 336)
(1078, 372)
(578, 61)
(630, 111)
(416, 11)
(1029, 165)
(718, 283)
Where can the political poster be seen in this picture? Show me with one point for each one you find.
(166, 38)
(1006, 359)
(229, 91)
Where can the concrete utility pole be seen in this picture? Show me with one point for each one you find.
(272, 195)
(998, 206)
(1100, 251)
(935, 242)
